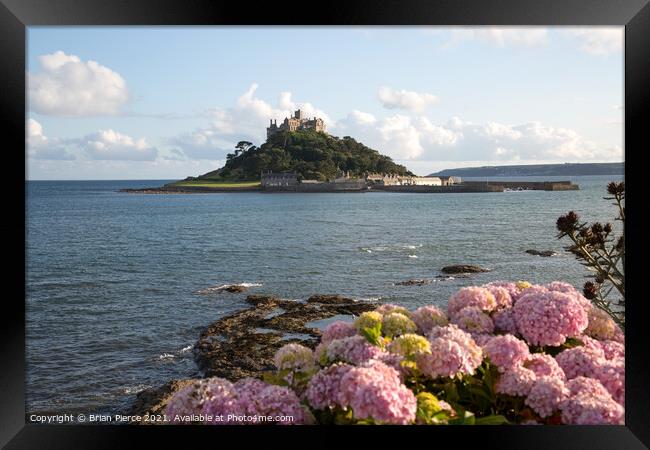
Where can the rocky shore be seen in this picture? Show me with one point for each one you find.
(243, 344)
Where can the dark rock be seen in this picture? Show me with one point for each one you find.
(541, 253)
(413, 282)
(154, 400)
(233, 347)
(329, 299)
(243, 344)
(464, 268)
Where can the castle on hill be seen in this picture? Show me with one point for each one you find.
(295, 123)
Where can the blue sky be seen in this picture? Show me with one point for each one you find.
(168, 102)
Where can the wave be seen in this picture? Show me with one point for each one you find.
(135, 389)
(390, 248)
(413, 256)
(225, 287)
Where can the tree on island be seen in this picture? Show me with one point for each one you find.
(312, 155)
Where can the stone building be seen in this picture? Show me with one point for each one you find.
(278, 179)
(295, 123)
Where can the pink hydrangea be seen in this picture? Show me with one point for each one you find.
(546, 394)
(549, 318)
(611, 374)
(453, 352)
(514, 289)
(473, 320)
(588, 386)
(580, 361)
(506, 351)
(515, 381)
(613, 349)
(388, 308)
(566, 288)
(323, 389)
(220, 399)
(427, 317)
(544, 366)
(482, 339)
(501, 295)
(354, 350)
(374, 391)
(504, 321)
(471, 296)
(187, 401)
(587, 409)
(338, 330)
(241, 403)
(278, 401)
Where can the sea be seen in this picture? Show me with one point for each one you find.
(118, 285)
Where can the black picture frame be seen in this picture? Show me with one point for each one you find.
(16, 15)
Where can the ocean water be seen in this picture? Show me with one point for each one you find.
(112, 301)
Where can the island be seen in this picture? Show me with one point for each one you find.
(300, 156)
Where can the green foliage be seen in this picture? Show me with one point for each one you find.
(373, 335)
(311, 154)
(598, 248)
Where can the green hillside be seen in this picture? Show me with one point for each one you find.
(311, 154)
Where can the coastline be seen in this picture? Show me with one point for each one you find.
(465, 187)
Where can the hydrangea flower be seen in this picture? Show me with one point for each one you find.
(587, 409)
(338, 330)
(428, 406)
(220, 399)
(473, 320)
(324, 388)
(409, 345)
(501, 295)
(368, 319)
(187, 401)
(453, 352)
(613, 349)
(588, 386)
(354, 350)
(515, 381)
(387, 308)
(549, 318)
(427, 317)
(374, 391)
(506, 351)
(471, 296)
(580, 361)
(294, 357)
(566, 288)
(546, 394)
(278, 401)
(611, 374)
(504, 321)
(395, 324)
(514, 289)
(601, 326)
(544, 365)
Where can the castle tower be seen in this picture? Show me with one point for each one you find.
(298, 115)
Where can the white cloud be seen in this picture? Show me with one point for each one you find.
(416, 139)
(599, 41)
(40, 146)
(402, 99)
(111, 145)
(246, 120)
(500, 36)
(67, 86)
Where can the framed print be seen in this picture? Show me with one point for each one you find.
(411, 214)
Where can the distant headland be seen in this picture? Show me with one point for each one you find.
(529, 170)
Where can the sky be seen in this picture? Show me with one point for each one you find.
(171, 102)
